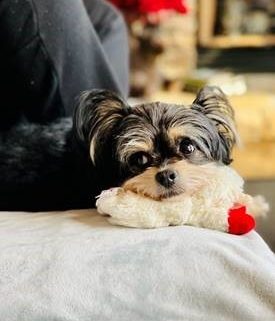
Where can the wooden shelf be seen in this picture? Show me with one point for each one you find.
(207, 38)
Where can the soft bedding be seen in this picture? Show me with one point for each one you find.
(74, 266)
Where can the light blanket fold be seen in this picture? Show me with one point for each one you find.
(74, 266)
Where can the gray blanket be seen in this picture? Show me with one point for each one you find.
(74, 266)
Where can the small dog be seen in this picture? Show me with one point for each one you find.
(155, 149)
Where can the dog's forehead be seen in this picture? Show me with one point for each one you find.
(154, 115)
(157, 118)
(159, 113)
(158, 125)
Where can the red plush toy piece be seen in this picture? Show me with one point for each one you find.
(239, 221)
(151, 6)
(155, 6)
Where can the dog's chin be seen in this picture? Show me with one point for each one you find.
(169, 193)
(164, 194)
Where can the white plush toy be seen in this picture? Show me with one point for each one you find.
(219, 204)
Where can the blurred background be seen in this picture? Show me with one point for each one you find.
(178, 46)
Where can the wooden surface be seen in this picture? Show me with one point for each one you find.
(255, 117)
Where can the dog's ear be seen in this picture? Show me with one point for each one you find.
(96, 116)
(212, 102)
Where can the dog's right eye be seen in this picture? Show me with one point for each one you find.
(140, 160)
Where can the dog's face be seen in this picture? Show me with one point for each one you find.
(158, 150)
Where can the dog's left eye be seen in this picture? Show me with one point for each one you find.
(186, 146)
(140, 159)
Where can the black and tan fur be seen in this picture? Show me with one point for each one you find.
(66, 164)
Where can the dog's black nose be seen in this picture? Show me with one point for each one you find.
(166, 178)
